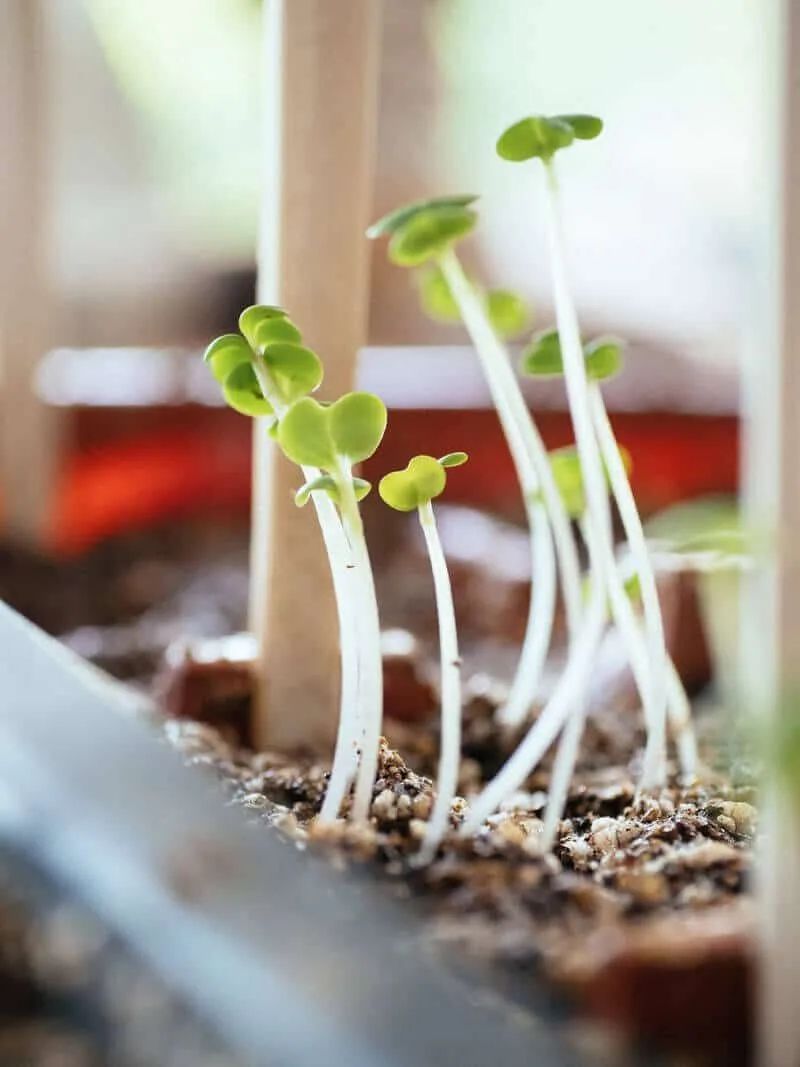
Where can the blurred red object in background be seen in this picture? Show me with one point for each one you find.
(139, 460)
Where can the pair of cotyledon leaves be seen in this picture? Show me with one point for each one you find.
(310, 433)
(423, 230)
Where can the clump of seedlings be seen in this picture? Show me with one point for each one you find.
(557, 489)
(265, 371)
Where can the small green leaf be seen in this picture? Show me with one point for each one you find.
(435, 297)
(429, 233)
(362, 488)
(295, 370)
(272, 331)
(326, 483)
(508, 312)
(423, 479)
(397, 219)
(566, 466)
(603, 358)
(316, 435)
(242, 391)
(453, 459)
(633, 588)
(304, 435)
(535, 137)
(226, 353)
(584, 127)
(357, 425)
(252, 317)
(542, 358)
(568, 475)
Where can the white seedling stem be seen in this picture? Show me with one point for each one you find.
(450, 744)
(678, 705)
(349, 729)
(598, 514)
(548, 521)
(566, 700)
(371, 659)
(563, 766)
(655, 751)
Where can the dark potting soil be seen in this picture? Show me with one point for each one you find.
(642, 911)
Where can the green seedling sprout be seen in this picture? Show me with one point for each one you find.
(425, 233)
(328, 440)
(603, 360)
(541, 138)
(265, 372)
(414, 489)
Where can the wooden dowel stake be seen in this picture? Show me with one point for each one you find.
(321, 66)
(28, 437)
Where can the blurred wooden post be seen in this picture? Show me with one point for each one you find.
(771, 616)
(28, 452)
(321, 66)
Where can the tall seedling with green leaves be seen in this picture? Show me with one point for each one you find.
(266, 372)
(540, 138)
(424, 234)
(414, 489)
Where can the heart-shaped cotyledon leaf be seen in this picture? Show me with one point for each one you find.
(226, 353)
(397, 219)
(252, 317)
(243, 392)
(508, 313)
(584, 127)
(566, 466)
(294, 369)
(423, 479)
(326, 483)
(430, 233)
(325, 435)
(543, 357)
(541, 136)
(279, 329)
(435, 296)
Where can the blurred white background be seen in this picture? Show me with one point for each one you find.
(155, 152)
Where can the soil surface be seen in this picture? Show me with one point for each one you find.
(642, 910)
(636, 887)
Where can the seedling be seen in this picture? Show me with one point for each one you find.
(412, 489)
(541, 138)
(603, 360)
(267, 373)
(426, 233)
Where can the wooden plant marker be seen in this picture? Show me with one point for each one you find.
(321, 67)
(28, 436)
(771, 617)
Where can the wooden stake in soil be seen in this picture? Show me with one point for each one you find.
(27, 429)
(771, 615)
(321, 65)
